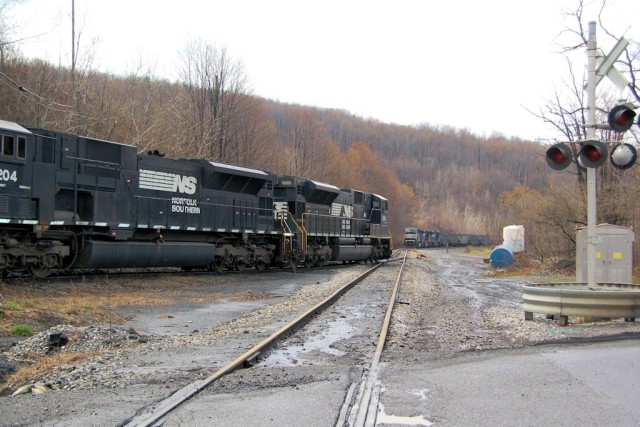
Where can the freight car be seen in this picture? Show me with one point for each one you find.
(416, 237)
(73, 202)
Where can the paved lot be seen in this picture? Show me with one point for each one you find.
(568, 385)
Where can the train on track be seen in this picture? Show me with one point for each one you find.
(419, 238)
(73, 202)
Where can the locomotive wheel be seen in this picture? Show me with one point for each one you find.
(308, 263)
(260, 266)
(218, 265)
(44, 267)
(39, 272)
(240, 266)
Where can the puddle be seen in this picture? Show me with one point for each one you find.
(316, 340)
(383, 418)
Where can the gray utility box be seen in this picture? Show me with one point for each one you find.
(614, 254)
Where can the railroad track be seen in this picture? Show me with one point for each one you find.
(363, 403)
(365, 406)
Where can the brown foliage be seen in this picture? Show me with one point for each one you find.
(437, 178)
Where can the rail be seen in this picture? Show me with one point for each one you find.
(368, 405)
(159, 410)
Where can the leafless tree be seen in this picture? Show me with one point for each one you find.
(214, 84)
(566, 111)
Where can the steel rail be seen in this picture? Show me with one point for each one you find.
(368, 406)
(159, 410)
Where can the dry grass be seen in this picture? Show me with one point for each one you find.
(42, 365)
(43, 304)
(524, 266)
(40, 306)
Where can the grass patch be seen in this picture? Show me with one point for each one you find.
(22, 331)
(30, 303)
(10, 305)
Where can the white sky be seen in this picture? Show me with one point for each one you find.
(470, 64)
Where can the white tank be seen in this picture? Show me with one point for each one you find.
(513, 236)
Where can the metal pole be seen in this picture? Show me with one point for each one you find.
(591, 172)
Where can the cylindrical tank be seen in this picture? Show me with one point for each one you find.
(351, 253)
(501, 256)
(99, 254)
(513, 237)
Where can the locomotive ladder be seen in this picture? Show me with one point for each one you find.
(299, 232)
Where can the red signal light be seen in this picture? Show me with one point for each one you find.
(558, 156)
(592, 154)
(621, 117)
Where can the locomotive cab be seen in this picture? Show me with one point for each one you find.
(16, 143)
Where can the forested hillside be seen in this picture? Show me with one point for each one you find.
(434, 177)
(437, 178)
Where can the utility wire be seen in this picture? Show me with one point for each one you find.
(9, 82)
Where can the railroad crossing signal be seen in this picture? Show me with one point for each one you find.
(592, 155)
(559, 156)
(621, 117)
(624, 156)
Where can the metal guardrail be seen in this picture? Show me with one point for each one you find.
(605, 300)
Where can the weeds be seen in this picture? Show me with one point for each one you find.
(22, 330)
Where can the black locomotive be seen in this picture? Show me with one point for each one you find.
(73, 202)
(419, 238)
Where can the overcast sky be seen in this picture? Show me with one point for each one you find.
(468, 64)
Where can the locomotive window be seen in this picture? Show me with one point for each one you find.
(7, 145)
(358, 198)
(48, 153)
(22, 147)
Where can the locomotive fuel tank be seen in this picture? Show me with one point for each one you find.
(351, 253)
(98, 254)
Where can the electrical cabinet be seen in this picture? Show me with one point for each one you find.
(614, 254)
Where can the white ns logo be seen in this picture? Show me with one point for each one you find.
(184, 184)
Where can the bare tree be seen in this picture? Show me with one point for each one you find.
(7, 41)
(214, 84)
(567, 112)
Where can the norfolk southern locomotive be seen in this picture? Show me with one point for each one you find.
(419, 238)
(72, 202)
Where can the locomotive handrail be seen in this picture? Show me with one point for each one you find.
(303, 243)
(358, 222)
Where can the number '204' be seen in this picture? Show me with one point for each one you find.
(7, 175)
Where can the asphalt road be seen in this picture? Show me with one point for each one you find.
(569, 385)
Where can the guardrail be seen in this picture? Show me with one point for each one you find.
(606, 300)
